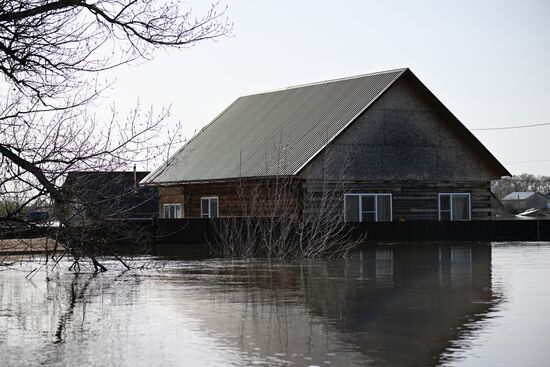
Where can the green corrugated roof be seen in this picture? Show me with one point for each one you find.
(273, 133)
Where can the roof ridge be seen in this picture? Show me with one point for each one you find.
(328, 81)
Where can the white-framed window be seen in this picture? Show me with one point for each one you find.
(172, 211)
(368, 207)
(209, 207)
(454, 206)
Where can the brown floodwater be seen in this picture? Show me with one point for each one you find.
(450, 304)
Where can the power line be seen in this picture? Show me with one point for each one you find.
(532, 161)
(511, 127)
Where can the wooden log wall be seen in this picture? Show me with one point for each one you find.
(411, 200)
(252, 197)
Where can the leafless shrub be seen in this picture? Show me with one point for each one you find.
(287, 217)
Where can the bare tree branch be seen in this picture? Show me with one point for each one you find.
(52, 54)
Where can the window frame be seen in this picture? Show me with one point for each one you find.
(451, 194)
(167, 205)
(360, 207)
(209, 198)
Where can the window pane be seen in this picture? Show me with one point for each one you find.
(384, 208)
(444, 202)
(368, 203)
(369, 216)
(351, 203)
(204, 208)
(445, 215)
(461, 207)
(172, 211)
(213, 208)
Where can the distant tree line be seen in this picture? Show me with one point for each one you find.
(523, 182)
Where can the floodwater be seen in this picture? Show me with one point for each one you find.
(387, 305)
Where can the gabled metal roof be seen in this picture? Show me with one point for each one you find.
(273, 133)
(519, 195)
(111, 194)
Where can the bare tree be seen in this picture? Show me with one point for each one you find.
(47, 44)
(52, 53)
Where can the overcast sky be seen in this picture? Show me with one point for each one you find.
(487, 61)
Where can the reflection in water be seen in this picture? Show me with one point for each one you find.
(411, 310)
(390, 305)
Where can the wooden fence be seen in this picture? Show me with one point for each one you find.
(190, 237)
(199, 231)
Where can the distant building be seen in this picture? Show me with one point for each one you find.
(522, 200)
(109, 195)
(382, 142)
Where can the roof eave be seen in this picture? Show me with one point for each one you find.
(216, 180)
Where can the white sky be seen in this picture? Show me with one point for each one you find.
(487, 61)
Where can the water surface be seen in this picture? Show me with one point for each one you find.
(386, 305)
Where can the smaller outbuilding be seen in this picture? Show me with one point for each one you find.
(109, 195)
(522, 200)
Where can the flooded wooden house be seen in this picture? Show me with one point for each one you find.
(380, 145)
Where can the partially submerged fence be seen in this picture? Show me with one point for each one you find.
(486, 230)
(199, 231)
(191, 237)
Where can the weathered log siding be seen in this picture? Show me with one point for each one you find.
(253, 197)
(171, 195)
(405, 144)
(403, 136)
(410, 200)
